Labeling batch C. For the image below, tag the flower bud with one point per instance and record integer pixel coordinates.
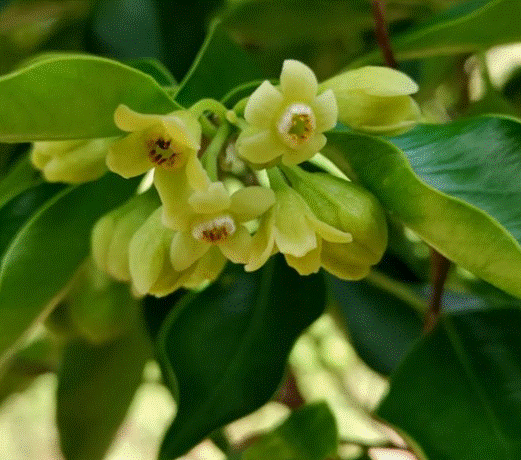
(112, 233)
(375, 100)
(74, 161)
(150, 265)
(349, 208)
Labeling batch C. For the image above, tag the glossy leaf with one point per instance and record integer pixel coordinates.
(224, 350)
(468, 27)
(309, 433)
(459, 230)
(95, 387)
(457, 392)
(17, 211)
(155, 69)
(382, 326)
(72, 97)
(292, 22)
(60, 231)
(126, 29)
(20, 177)
(219, 66)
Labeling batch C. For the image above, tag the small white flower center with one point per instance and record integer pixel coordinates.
(215, 230)
(296, 125)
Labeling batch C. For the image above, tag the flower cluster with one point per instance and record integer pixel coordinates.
(198, 214)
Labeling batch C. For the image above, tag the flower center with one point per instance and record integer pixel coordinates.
(296, 125)
(165, 152)
(215, 230)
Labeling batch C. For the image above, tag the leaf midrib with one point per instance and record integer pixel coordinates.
(460, 352)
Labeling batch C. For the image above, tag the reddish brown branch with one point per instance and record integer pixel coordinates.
(439, 270)
(288, 393)
(382, 34)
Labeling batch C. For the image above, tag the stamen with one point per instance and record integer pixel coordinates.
(215, 230)
(165, 153)
(297, 125)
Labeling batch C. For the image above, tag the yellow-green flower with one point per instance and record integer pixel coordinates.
(291, 227)
(74, 162)
(347, 207)
(216, 220)
(375, 99)
(169, 144)
(287, 122)
(112, 233)
(152, 271)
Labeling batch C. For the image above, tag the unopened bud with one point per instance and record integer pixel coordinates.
(375, 100)
(350, 208)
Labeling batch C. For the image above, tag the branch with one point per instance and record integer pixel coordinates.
(382, 34)
(439, 270)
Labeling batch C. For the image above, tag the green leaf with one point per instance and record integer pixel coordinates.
(20, 177)
(292, 22)
(309, 433)
(73, 97)
(454, 159)
(471, 236)
(382, 325)
(225, 349)
(95, 388)
(16, 212)
(457, 393)
(220, 66)
(155, 69)
(469, 27)
(48, 248)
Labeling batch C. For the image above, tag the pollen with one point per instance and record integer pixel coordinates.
(296, 125)
(164, 152)
(215, 230)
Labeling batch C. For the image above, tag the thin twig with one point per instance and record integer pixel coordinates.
(382, 34)
(439, 270)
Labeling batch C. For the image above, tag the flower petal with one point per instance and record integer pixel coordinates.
(174, 192)
(184, 129)
(307, 264)
(185, 250)
(237, 247)
(329, 233)
(207, 268)
(297, 81)
(128, 157)
(197, 176)
(148, 252)
(262, 105)
(101, 236)
(325, 109)
(373, 80)
(335, 260)
(79, 166)
(263, 244)
(260, 146)
(305, 152)
(170, 280)
(215, 199)
(128, 120)
(293, 233)
(250, 202)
